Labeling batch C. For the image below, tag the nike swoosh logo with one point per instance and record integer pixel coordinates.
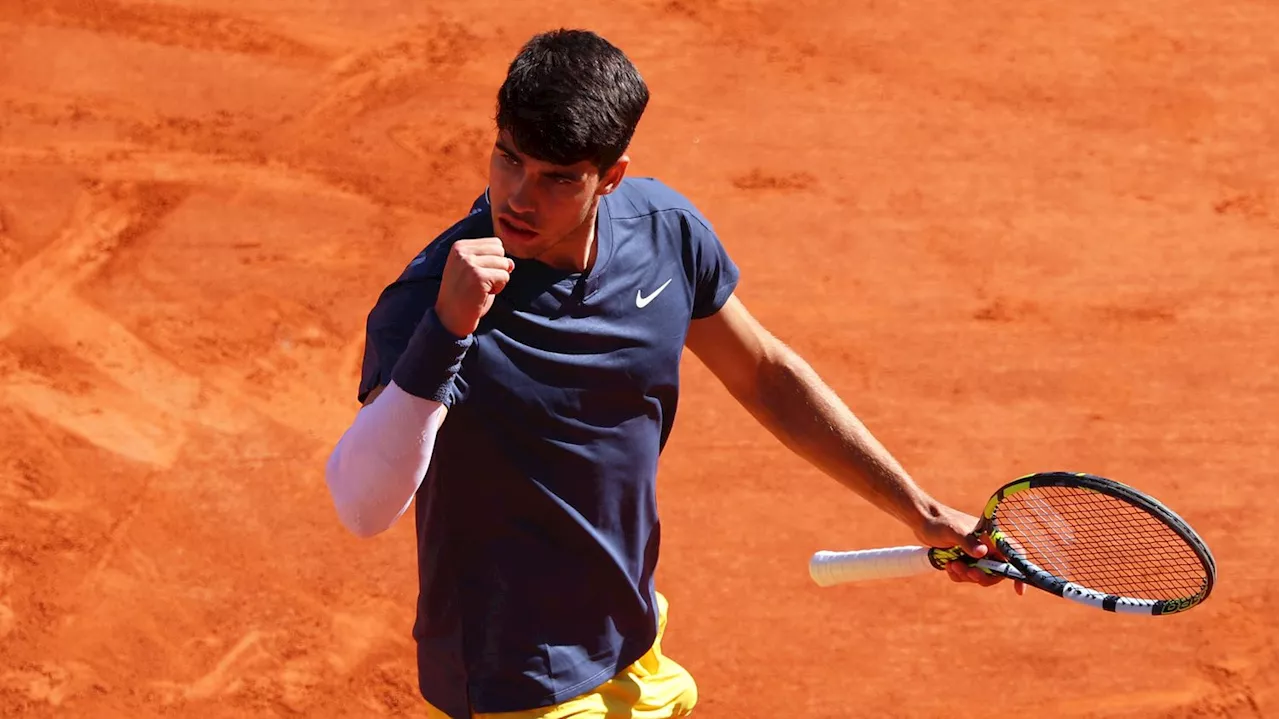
(642, 300)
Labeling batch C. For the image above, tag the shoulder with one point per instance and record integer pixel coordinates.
(675, 229)
(429, 262)
(642, 197)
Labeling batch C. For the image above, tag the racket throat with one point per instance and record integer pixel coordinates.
(940, 558)
(1002, 569)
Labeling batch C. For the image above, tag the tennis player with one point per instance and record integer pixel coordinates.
(521, 378)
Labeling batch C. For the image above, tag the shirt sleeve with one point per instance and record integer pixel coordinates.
(715, 276)
(390, 326)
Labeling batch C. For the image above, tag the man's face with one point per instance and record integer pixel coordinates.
(536, 204)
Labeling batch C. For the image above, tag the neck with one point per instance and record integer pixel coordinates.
(577, 251)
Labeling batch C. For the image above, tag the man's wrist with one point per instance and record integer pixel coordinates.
(431, 360)
(919, 510)
(447, 324)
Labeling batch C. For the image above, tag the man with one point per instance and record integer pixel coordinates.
(520, 380)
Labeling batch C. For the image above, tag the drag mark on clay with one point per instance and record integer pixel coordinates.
(226, 675)
(758, 179)
(391, 73)
(50, 682)
(173, 26)
(39, 295)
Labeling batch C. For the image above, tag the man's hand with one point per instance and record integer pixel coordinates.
(475, 271)
(951, 528)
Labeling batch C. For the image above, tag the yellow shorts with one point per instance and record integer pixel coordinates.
(655, 687)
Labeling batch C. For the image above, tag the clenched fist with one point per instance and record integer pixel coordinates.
(475, 271)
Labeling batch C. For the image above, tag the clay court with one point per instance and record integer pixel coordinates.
(1015, 237)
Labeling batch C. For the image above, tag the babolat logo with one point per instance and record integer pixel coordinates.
(1174, 606)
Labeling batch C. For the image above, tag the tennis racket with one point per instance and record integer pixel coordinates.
(1078, 536)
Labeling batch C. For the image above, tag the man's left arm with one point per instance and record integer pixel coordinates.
(789, 399)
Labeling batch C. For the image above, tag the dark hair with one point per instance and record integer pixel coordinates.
(571, 96)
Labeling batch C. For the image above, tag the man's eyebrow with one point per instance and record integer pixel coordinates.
(555, 174)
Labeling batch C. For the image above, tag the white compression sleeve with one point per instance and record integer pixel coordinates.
(380, 461)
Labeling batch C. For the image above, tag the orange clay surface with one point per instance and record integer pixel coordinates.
(1014, 236)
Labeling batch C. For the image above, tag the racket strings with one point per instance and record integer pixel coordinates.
(1100, 542)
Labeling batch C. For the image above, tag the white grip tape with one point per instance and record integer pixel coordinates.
(831, 568)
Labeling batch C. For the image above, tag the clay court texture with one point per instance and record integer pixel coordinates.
(1015, 237)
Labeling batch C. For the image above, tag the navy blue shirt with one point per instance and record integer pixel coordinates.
(537, 522)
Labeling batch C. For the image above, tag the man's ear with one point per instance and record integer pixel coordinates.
(613, 176)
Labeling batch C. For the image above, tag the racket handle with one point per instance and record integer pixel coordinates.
(831, 568)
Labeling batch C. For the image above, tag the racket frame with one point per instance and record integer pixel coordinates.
(1027, 571)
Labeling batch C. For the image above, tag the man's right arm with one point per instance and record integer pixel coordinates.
(380, 461)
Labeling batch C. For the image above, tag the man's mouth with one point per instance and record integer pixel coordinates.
(517, 230)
